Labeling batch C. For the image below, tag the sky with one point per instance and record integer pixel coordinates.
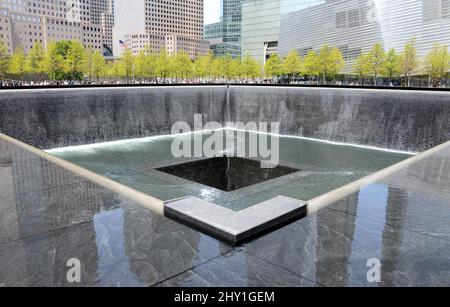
(212, 11)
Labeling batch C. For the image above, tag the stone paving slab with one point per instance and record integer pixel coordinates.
(401, 220)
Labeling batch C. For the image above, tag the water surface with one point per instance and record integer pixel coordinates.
(324, 167)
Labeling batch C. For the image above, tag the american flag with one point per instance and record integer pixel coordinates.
(123, 44)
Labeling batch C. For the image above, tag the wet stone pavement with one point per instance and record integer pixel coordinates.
(49, 215)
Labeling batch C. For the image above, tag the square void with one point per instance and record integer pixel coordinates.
(226, 173)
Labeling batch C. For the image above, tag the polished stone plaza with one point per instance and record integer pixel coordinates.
(50, 215)
(361, 197)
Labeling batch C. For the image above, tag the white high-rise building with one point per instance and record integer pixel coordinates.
(354, 26)
(159, 24)
(260, 28)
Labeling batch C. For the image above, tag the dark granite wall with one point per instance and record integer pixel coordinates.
(404, 120)
(62, 117)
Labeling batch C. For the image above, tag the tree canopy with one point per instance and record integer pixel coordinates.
(437, 63)
(69, 60)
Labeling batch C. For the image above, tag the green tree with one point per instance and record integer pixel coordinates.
(237, 70)
(437, 63)
(4, 60)
(64, 60)
(164, 67)
(227, 67)
(392, 64)
(216, 68)
(141, 65)
(311, 64)
(113, 69)
(293, 64)
(99, 66)
(36, 59)
(183, 65)
(323, 62)
(409, 60)
(147, 63)
(54, 61)
(361, 67)
(18, 64)
(127, 65)
(273, 67)
(151, 61)
(74, 59)
(376, 61)
(330, 62)
(88, 63)
(109, 71)
(203, 66)
(250, 67)
(337, 63)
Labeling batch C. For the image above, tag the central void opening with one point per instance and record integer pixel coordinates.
(227, 173)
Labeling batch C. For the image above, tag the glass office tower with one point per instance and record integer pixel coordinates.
(225, 36)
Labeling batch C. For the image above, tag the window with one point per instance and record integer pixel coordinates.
(353, 18)
(341, 20)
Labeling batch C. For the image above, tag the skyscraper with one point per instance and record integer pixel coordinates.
(153, 25)
(225, 36)
(107, 25)
(23, 23)
(260, 28)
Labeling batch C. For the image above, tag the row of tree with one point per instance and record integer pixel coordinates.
(69, 60)
(380, 63)
(328, 63)
(325, 64)
(63, 60)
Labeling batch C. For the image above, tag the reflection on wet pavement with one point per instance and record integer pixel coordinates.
(48, 216)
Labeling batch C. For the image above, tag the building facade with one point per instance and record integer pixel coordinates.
(225, 36)
(232, 24)
(150, 24)
(24, 23)
(107, 25)
(5, 29)
(260, 28)
(354, 26)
